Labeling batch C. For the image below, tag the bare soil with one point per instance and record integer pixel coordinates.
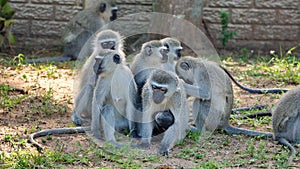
(30, 116)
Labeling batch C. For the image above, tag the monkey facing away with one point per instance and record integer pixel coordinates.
(113, 98)
(213, 113)
(84, 24)
(106, 39)
(286, 120)
(164, 91)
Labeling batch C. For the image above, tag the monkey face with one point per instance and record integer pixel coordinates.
(107, 11)
(106, 62)
(158, 93)
(108, 45)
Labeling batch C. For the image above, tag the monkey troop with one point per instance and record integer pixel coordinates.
(153, 96)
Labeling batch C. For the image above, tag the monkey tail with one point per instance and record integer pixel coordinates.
(284, 142)
(235, 130)
(49, 59)
(46, 132)
(257, 91)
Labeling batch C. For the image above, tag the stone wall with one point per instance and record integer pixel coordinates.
(260, 24)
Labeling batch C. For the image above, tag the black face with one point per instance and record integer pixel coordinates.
(178, 53)
(117, 59)
(109, 45)
(98, 69)
(113, 14)
(158, 93)
(102, 7)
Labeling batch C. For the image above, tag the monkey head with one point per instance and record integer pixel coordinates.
(107, 9)
(185, 69)
(173, 48)
(163, 85)
(156, 51)
(107, 61)
(109, 39)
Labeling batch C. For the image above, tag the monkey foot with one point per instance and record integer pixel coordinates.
(163, 152)
(76, 120)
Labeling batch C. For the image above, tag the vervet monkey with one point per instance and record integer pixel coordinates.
(106, 39)
(113, 97)
(213, 113)
(173, 51)
(114, 107)
(164, 91)
(84, 24)
(286, 120)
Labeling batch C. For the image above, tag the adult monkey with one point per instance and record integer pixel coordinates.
(84, 24)
(214, 113)
(106, 39)
(112, 108)
(286, 120)
(164, 91)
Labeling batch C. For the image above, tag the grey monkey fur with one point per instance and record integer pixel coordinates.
(112, 108)
(84, 24)
(286, 120)
(164, 91)
(213, 113)
(87, 77)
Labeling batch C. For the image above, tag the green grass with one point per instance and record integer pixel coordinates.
(203, 152)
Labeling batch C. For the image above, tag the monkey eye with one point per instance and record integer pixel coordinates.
(117, 59)
(111, 45)
(154, 87)
(185, 66)
(105, 45)
(102, 7)
(164, 90)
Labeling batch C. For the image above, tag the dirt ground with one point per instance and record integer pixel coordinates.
(50, 105)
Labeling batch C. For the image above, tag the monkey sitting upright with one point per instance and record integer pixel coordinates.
(164, 91)
(80, 28)
(286, 120)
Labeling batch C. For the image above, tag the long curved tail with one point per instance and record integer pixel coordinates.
(252, 133)
(257, 91)
(71, 130)
(284, 142)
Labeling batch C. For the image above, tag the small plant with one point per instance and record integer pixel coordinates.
(224, 16)
(6, 22)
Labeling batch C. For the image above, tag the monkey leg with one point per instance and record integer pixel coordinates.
(146, 134)
(83, 102)
(108, 122)
(95, 125)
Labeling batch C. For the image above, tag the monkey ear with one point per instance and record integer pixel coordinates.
(148, 50)
(185, 66)
(102, 7)
(117, 59)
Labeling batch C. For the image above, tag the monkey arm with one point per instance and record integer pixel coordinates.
(196, 92)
